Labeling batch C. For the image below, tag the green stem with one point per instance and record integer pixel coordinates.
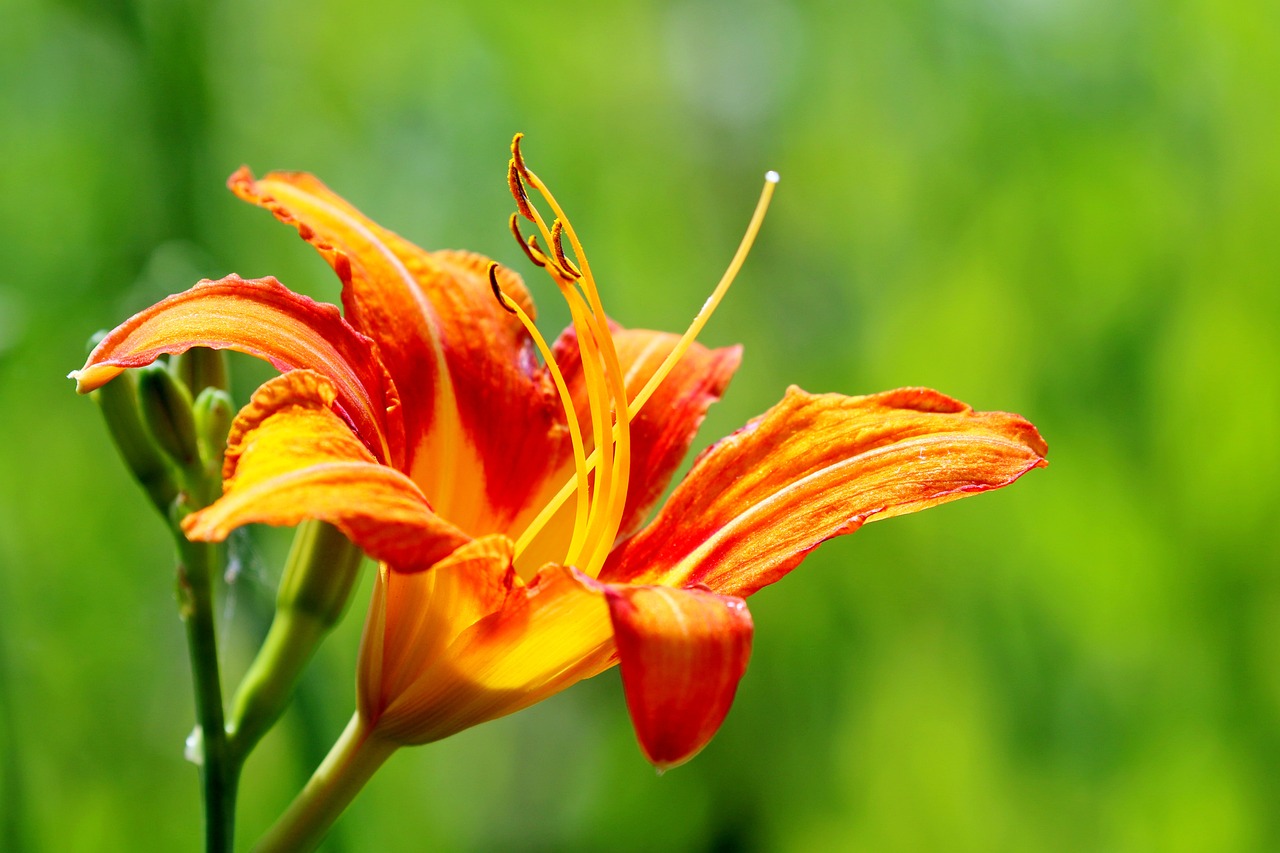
(349, 765)
(196, 569)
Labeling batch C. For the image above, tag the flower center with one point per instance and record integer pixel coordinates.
(600, 478)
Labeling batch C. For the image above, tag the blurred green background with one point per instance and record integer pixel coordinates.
(1065, 208)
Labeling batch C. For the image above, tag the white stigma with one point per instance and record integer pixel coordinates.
(772, 176)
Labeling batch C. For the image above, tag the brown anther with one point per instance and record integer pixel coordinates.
(518, 191)
(497, 291)
(515, 230)
(557, 230)
(536, 250)
(516, 156)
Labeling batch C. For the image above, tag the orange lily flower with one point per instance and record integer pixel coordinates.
(505, 496)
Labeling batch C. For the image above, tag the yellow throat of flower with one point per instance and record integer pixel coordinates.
(600, 504)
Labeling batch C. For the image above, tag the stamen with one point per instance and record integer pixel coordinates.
(517, 190)
(699, 321)
(581, 474)
(497, 291)
(534, 248)
(557, 246)
(599, 400)
(516, 156)
(601, 541)
(598, 403)
(539, 260)
(611, 457)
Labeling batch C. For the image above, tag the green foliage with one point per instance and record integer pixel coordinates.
(1064, 209)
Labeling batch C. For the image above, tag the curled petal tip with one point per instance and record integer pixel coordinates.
(682, 653)
(92, 377)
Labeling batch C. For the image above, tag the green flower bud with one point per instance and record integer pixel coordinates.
(318, 580)
(214, 414)
(320, 573)
(165, 405)
(199, 368)
(118, 402)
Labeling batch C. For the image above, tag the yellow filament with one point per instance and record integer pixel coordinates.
(616, 495)
(613, 468)
(598, 404)
(699, 321)
(598, 398)
(566, 400)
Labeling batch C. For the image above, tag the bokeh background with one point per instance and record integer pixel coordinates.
(1065, 208)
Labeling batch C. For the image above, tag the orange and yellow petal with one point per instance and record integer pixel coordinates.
(817, 466)
(682, 653)
(440, 330)
(265, 319)
(290, 457)
(414, 617)
(541, 638)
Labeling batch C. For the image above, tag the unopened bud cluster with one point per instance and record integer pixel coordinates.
(170, 421)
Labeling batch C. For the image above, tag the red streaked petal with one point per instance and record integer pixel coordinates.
(495, 369)
(682, 653)
(265, 319)
(816, 466)
(290, 458)
(439, 329)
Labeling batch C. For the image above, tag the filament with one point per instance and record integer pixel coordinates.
(682, 346)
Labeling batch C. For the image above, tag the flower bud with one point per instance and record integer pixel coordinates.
(214, 414)
(318, 580)
(201, 367)
(320, 573)
(118, 402)
(165, 405)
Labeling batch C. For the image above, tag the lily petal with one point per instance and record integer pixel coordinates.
(682, 653)
(265, 319)
(414, 617)
(542, 638)
(290, 458)
(817, 466)
(438, 327)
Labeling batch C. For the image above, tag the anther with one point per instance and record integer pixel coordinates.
(557, 246)
(535, 252)
(518, 191)
(515, 229)
(497, 291)
(516, 157)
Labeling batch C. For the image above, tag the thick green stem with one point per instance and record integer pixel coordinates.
(350, 764)
(196, 569)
